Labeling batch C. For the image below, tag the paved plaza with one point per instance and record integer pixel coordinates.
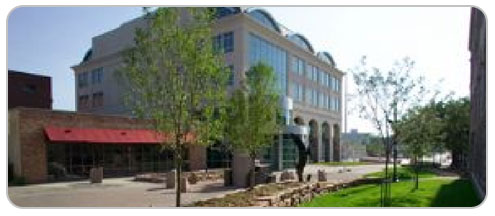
(124, 192)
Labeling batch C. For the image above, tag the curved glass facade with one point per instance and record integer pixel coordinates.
(261, 50)
(301, 42)
(264, 19)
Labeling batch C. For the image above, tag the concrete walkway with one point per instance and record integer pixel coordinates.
(115, 192)
(123, 192)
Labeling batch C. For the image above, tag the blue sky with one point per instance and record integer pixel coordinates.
(50, 40)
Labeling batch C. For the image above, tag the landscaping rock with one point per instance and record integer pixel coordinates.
(170, 179)
(322, 175)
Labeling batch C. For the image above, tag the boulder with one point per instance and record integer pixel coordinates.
(322, 175)
(170, 183)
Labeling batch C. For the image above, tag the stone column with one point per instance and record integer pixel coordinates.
(241, 165)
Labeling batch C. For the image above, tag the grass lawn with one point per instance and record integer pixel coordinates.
(431, 193)
(342, 163)
(405, 173)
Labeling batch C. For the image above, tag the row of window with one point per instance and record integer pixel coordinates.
(260, 50)
(84, 101)
(96, 77)
(315, 74)
(314, 97)
(224, 42)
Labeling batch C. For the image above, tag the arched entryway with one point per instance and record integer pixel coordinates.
(299, 120)
(325, 139)
(313, 140)
(336, 142)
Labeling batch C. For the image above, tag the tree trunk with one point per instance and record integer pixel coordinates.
(417, 173)
(456, 160)
(178, 171)
(252, 174)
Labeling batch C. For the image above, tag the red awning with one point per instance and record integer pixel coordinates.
(109, 136)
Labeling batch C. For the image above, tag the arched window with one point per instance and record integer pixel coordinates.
(264, 18)
(301, 41)
(326, 57)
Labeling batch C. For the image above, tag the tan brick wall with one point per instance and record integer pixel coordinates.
(197, 157)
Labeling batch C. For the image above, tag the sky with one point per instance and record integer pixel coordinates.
(49, 40)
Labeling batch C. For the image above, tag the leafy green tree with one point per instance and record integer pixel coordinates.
(174, 78)
(375, 147)
(420, 131)
(456, 117)
(383, 97)
(253, 115)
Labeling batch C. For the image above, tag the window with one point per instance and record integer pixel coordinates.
(315, 74)
(82, 79)
(332, 83)
(309, 96)
(98, 99)
(301, 66)
(324, 79)
(231, 74)
(315, 98)
(29, 88)
(83, 101)
(320, 100)
(97, 75)
(297, 91)
(228, 42)
(261, 50)
(224, 42)
(309, 72)
(298, 66)
(337, 85)
(301, 92)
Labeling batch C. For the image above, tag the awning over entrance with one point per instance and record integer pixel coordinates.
(109, 136)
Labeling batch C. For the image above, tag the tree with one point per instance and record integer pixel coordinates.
(383, 97)
(436, 126)
(254, 109)
(456, 114)
(174, 78)
(420, 131)
(375, 147)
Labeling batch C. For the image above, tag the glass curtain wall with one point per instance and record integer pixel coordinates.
(261, 50)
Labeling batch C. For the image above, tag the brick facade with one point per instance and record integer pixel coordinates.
(28, 142)
(477, 47)
(29, 90)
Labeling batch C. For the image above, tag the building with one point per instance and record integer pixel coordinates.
(308, 80)
(477, 135)
(47, 145)
(29, 90)
(354, 145)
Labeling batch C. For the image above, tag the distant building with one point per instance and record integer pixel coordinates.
(355, 137)
(29, 90)
(354, 145)
(477, 134)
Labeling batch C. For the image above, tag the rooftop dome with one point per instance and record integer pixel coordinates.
(301, 41)
(326, 57)
(264, 18)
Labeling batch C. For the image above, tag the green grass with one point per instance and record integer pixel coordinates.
(404, 173)
(431, 193)
(341, 163)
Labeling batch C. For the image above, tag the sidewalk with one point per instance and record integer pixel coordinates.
(114, 192)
